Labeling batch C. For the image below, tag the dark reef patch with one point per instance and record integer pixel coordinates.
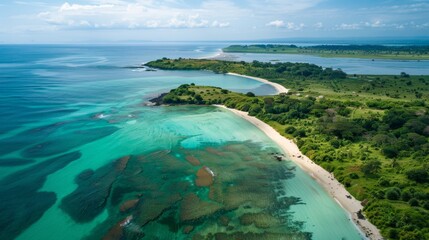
(21, 203)
(12, 162)
(67, 142)
(90, 198)
(163, 196)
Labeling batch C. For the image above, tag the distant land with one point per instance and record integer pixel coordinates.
(414, 52)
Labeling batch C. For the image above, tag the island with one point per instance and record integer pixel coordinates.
(369, 132)
(343, 51)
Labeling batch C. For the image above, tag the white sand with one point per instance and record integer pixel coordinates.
(323, 177)
(279, 88)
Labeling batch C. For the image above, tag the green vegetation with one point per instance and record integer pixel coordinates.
(371, 131)
(350, 51)
(257, 69)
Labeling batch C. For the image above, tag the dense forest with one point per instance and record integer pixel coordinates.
(354, 51)
(256, 68)
(371, 132)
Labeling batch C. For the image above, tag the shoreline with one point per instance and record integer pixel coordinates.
(279, 88)
(335, 189)
(214, 55)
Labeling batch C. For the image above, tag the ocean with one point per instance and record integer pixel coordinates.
(84, 156)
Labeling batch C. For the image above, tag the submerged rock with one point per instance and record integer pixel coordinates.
(188, 229)
(259, 236)
(124, 229)
(117, 231)
(193, 208)
(260, 220)
(154, 206)
(130, 204)
(193, 160)
(205, 177)
(214, 151)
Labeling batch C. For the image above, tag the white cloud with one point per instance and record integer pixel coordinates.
(131, 15)
(288, 25)
(220, 24)
(423, 25)
(346, 26)
(67, 7)
(379, 24)
(375, 24)
(187, 22)
(294, 26)
(276, 23)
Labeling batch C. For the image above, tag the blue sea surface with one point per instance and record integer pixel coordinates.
(83, 156)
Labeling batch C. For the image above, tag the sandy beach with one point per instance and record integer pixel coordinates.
(323, 177)
(279, 88)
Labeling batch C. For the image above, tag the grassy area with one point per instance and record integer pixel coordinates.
(342, 51)
(370, 131)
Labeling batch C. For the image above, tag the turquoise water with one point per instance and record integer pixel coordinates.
(84, 157)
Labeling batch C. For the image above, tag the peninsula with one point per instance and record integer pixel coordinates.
(369, 132)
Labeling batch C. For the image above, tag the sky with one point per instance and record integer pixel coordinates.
(101, 21)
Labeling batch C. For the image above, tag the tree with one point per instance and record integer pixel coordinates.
(390, 152)
(393, 193)
(405, 75)
(418, 175)
(371, 167)
(254, 109)
(250, 94)
(198, 98)
(341, 127)
(290, 130)
(413, 202)
(406, 195)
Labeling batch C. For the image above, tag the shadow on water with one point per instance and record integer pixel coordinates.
(22, 204)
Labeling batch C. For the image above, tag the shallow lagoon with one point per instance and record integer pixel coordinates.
(348, 65)
(81, 153)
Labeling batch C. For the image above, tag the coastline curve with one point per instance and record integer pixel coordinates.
(326, 179)
(279, 88)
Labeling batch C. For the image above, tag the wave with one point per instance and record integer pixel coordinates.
(74, 61)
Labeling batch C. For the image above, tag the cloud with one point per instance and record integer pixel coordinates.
(346, 26)
(105, 14)
(375, 24)
(288, 25)
(361, 25)
(220, 24)
(276, 23)
(380, 24)
(293, 26)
